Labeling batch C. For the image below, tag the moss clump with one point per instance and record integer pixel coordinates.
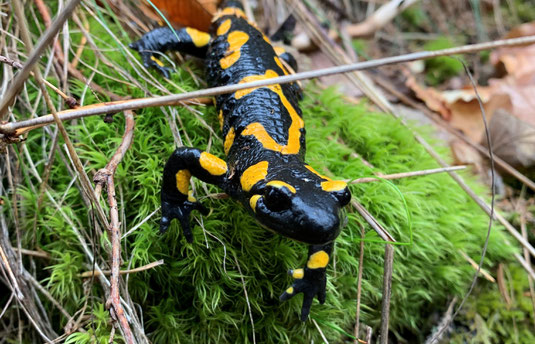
(197, 296)
(442, 68)
(490, 317)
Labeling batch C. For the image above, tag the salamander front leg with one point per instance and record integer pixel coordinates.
(311, 280)
(177, 199)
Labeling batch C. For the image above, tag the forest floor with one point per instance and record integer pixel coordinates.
(81, 257)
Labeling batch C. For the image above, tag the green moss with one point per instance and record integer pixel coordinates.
(440, 69)
(415, 16)
(490, 319)
(197, 296)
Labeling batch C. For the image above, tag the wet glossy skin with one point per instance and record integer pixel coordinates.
(264, 143)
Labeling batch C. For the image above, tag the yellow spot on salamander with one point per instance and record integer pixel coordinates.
(229, 140)
(258, 130)
(279, 50)
(270, 73)
(220, 118)
(253, 200)
(290, 290)
(280, 184)
(333, 185)
(229, 11)
(160, 63)
(191, 198)
(253, 175)
(316, 172)
(182, 181)
(224, 27)
(213, 164)
(236, 40)
(298, 273)
(199, 38)
(318, 260)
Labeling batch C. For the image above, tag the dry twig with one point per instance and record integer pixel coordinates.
(246, 298)
(380, 230)
(92, 273)
(34, 56)
(359, 285)
(405, 174)
(482, 271)
(105, 176)
(379, 18)
(443, 325)
(387, 290)
(115, 107)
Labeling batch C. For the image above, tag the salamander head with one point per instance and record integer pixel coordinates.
(301, 205)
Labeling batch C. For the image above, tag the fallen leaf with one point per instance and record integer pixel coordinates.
(464, 154)
(514, 94)
(432, 98)
(517, 61)
(466, 111)
(186, 13)
(512, 139)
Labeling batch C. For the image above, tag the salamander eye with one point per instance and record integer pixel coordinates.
(339, 189)
(277, 198)
(343, 196)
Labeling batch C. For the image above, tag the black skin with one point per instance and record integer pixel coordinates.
(307, 213)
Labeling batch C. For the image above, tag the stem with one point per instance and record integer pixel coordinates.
(114, 107)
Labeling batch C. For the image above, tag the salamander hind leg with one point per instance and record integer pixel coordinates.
(177, 200)
(186, 40)
(311, 280)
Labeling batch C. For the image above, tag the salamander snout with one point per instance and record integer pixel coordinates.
(305, 212)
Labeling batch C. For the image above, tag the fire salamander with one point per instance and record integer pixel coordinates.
(264, 143)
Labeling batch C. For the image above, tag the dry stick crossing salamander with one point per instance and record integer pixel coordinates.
(264, 143)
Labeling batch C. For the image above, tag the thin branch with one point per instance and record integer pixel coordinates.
(149, 266)
(130, 231)
(18, 285)
(492, 199)
(34, 56)
(525, 264)
(475, 266)
(105, 176)
(524, 231)
(320, 331)
(11, 62)
(380, 230)
(359, 285)
(84, 179)
(19, 128)
(45, 292)
(40, 254)
(387, 290)
(443, 325)
(246, 298)
(115, 107)
(405, 174)
(379, 18)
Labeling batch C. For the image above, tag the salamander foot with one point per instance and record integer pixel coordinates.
(180, 211)
(310, 283)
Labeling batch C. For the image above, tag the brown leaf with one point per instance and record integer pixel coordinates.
(512, 139)
(466, 112)
(464, 154)
(190, 13)
(513, 93)
(432, 98)
(517, 61)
